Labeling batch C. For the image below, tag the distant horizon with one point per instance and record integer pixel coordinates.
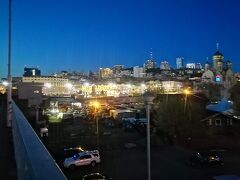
(140, 65)
(86, 35)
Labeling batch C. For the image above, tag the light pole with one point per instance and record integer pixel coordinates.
(96, 106)
(148, 98)
(186, 92)
(9, 87)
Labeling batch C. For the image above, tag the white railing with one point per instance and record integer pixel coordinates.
(32, 158)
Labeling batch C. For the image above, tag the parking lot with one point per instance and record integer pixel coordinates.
(119, 162)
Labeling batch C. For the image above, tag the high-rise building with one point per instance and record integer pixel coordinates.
(190, 66)
(29, 72)
(198, 66)
(138, 72)
(150, 62)
(164, 65)
(179, 62)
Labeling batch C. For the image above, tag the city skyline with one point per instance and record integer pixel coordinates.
(85, 36)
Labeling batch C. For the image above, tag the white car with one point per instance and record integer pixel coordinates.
(44, 132)
(82, 159)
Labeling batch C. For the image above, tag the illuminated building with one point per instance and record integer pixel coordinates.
(117, 90)
(190, 66)
(105, 73)
(208, 75)
(138, 72)
(150, 63)
(117, 69)
(127, 72)
(198, 66)
(179, 62)
(164, 65)
(219, 73)
(52, 85)
(218, 60)
(31, 72)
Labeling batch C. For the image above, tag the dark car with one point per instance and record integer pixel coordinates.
(95, 176)
(202, 159)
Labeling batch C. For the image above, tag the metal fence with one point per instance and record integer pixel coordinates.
(32, 158)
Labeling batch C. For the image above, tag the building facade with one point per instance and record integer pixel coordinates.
(31, 72)
(179, 62)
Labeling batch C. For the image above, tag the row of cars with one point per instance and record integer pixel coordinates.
(206, 158)
(211, 159)
(75, 157)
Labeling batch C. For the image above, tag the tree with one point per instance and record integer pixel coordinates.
(235, 97)
(178, 115)
(212, 91)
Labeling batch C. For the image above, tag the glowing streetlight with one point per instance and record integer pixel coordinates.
(69, 85)
(143, 88)
(48, 85)
(86, 84)
(96, 104)
(187, 91)
(5, 83)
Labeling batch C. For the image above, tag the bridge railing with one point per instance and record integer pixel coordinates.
(32, 158)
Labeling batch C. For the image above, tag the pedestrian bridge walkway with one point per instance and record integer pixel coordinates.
(23, 156)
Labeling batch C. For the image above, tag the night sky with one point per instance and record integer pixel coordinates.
(84, 35)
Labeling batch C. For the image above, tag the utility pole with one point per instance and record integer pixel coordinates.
(9, 87)
(148, 98)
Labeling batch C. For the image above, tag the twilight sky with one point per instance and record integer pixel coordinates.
(84, 35)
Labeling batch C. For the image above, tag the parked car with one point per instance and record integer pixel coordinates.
(70, 152)
(44, 132)
(208, 158)
(95, 176)
(82, 159)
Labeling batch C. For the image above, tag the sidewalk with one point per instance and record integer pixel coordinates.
(7, 159)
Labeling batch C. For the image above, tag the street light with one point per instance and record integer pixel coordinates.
(48, 85)
(9, 77)
(96, 106)
(148, 98)
(69, 86)
(186, 92)
(5, 83)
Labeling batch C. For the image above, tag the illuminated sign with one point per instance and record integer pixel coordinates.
(218, 78)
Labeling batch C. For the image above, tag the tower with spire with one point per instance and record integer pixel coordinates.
(218, 59)
(150, 62)
(220, 72)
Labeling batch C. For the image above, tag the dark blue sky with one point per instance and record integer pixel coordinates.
(88, 34)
